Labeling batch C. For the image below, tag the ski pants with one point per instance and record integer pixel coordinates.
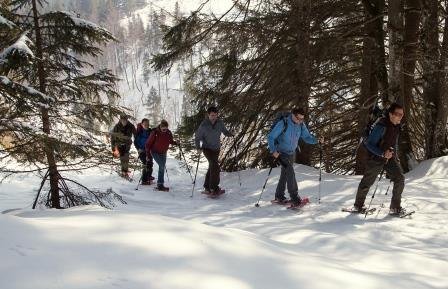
(287, 178)
(373, 168)
(212, 179)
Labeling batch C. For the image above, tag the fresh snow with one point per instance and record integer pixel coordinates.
(4, 21)
(169, 240)
(20, 46)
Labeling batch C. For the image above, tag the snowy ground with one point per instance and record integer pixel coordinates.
(169, 240)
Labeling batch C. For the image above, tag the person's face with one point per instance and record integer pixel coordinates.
(145, 124)
(396, 116)
(298, 118)
(123, 121)
(164, 128)
(213, 116)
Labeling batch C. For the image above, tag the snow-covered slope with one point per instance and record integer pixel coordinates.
(169, 240)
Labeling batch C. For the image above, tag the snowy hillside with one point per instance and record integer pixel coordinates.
(169, 240)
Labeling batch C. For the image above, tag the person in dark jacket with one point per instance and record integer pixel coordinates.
(121, 139)
(157, 145)
(382, 144)
(142, 135)
(282, 145)
(208, 139)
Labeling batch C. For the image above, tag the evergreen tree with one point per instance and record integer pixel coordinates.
(62, 102)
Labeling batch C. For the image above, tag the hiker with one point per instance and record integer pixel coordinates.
(382, 144)
(142, 135)
(157, 146)
(207, 139)
(121, 139)
(283, 141)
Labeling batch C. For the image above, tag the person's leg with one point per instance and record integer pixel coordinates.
(291, 181)
(373, 168)
(214, 171)
(124, 158)
(142, 158)
(281, 185)
(208, 155)
(395, 173)
(160, 160)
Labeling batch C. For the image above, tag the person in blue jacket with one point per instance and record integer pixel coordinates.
(282, 145)
(382, 144)
(143, 132)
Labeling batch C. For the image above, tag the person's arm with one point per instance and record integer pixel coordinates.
(113, 137)
(149, 143)
(199, 136)
(306, 136)
(374, 139)
(273, 135)
(225, 131)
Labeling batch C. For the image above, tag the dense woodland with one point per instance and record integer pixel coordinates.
(340, 60)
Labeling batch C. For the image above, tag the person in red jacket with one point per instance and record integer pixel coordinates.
(156, 146)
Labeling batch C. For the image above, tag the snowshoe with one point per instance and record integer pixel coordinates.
(216, 193)
(162, 188)
(400, 212)
(282, 202)
(297, 206)
(355, 210)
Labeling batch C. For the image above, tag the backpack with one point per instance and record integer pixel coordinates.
(281, 116)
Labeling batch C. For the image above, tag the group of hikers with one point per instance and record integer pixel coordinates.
(152, 144)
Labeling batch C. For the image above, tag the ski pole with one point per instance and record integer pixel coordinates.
(185, 160)
(320, 171)
(374, 192)
(195, 175)
(264, 186)
(239, 175)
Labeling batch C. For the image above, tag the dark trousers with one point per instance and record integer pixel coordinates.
(124, 157)
(212, 177)
(373, 168)
(287, 178)
(147, 166)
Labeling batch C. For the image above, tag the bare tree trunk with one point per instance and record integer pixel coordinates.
(301, 22)
(54, 174)
(410, 44)
(430, 43)
(440, 137)
(370, 79)
(395, 27)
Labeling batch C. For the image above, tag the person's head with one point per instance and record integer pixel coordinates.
(123, 119)
(145, 123)
(298, 114)
(163, 125)
(396, 113)
(212, 112)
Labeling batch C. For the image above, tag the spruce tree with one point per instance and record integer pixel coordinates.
(62, 127)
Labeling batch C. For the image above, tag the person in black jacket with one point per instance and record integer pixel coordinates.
(121, 139)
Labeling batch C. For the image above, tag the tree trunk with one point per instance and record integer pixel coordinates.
(410, 44)
(302, 10)
(54, 175)
(370, 79)
(395, 27)
(440, 137)
(430, 43)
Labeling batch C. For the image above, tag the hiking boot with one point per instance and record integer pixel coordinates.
(359, 209)
(206, 191)
(299, 203)
(161, 187)
(217, 191)
(397, 211)
(151, 178)
(147, 183)
(282, 201)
